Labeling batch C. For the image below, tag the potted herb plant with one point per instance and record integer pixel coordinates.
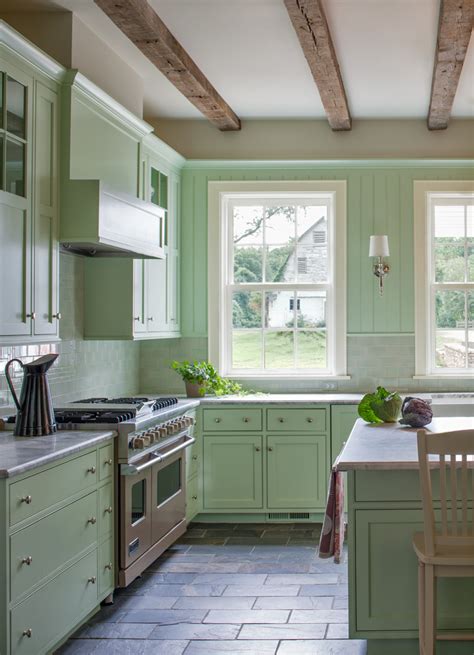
(201, 378)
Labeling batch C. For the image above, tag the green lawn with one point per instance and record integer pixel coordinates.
(279, 349)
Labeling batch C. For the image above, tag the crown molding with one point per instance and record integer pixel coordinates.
(166, 152)
(227, 164)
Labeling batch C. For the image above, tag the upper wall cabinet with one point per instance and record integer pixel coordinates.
(139, 299)
(29, 138)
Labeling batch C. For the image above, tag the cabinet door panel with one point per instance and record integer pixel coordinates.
(139, 318)
(297, 471)
(15, 289)
(45, 300)
(156, 295)
(233, 472)
(386, 576)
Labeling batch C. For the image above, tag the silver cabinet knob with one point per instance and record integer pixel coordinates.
(195, 457)
(150, 318)
(92, 469)
(58, 316)
(32, 316)
(109, 566)
(92, 579)
(26, 499)
(281, 420)
(136, 318)
(310, 420)
(27, 633)
(109, 509)
(257, 448)
(246, 419)
(109, 462)
(270, 449)
(217, 420)
(92, 520)
(27, 560)
(195, 497)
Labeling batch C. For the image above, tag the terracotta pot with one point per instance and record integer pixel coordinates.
(193, 389)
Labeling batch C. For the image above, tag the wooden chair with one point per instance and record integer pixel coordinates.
(446, 547)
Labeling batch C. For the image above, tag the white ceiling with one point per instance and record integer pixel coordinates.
(249, 51)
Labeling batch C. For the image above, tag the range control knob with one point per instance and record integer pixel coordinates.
(163, 432)
(137, 442)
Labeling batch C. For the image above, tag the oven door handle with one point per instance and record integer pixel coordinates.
(133, 470)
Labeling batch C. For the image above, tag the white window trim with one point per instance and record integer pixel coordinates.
(217, 238)
(423, 261)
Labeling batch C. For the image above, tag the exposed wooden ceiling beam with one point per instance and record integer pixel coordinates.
(142, 25)
(454, 31)
(313, 33)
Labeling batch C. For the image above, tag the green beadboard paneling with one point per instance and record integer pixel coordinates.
(379, 200)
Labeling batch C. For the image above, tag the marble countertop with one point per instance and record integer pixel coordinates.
(286, 398)
(21, 454)
(391, 446)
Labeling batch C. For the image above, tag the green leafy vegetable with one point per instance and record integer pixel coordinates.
(380, 407)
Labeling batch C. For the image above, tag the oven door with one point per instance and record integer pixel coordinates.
(135, 516)
(168, 495)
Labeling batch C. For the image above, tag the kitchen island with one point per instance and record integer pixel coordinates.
(384, 510)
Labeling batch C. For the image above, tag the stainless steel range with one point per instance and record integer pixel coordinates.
(153, 435)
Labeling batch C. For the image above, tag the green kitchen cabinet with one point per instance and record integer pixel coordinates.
(343, 418)
(296, 471)
(57, 559)
(233, 471)
(29, 148)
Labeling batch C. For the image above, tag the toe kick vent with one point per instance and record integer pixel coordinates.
(288, 516)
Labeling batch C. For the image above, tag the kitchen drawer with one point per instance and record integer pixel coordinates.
(106, 567)
(106, 510)
(106, 461)
(192, 498)
(296, 420)
(55, 609)
(43, 490)
(232, 420)
(51, 542)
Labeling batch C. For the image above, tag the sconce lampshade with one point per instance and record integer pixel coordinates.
(378, 246)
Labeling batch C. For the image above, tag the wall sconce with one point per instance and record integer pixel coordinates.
(378, 247)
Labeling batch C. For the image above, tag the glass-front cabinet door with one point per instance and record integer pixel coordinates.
(15, 201)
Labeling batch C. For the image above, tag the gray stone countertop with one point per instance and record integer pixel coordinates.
(391, 446)
(21, 454)
(286, 399)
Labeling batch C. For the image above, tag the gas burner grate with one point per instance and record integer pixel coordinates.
(161, 403)
(67, 416)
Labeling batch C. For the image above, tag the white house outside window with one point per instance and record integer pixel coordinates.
(444, 258)
(277, 278)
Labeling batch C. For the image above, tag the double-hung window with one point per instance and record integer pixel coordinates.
(277, 278)
(444, 271)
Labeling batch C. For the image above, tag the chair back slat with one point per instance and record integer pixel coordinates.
(452, 454)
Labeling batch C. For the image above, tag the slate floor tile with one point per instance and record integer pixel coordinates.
(125, 647)
(323, 647)
(195, 631)
(303, 579)
(294, 603)
(164, 617)
(216, 603)
(268, 647)
(247, 616)
(230, 579)
(187, 590)
(214, 541)
(285, 631)
(148, 602)
(323, 590)
(263, 590)
(270, 566)
(341, 603)
(337, 631)
(318, 616)
(118, 631)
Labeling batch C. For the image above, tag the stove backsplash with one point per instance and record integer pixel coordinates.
(84, 368)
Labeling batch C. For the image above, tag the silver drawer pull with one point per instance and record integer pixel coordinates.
(109, 566)
(270, 449)
(246, 419)
(310, 420)
(195, 497)
(281, 420)
(58, 316)
(27, 560)
(109, 462)
(92, 579)
(26, 499)
(27, 633)
(150, 318)
(109, 509)
(32, 316)
(257, 449)
(217, 420)
(195, 457)
(92, 520)
(92, 469)
(136, 318)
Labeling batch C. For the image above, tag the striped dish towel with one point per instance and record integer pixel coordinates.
(332, 534)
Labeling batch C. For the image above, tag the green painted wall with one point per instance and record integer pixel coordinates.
(380, 201)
